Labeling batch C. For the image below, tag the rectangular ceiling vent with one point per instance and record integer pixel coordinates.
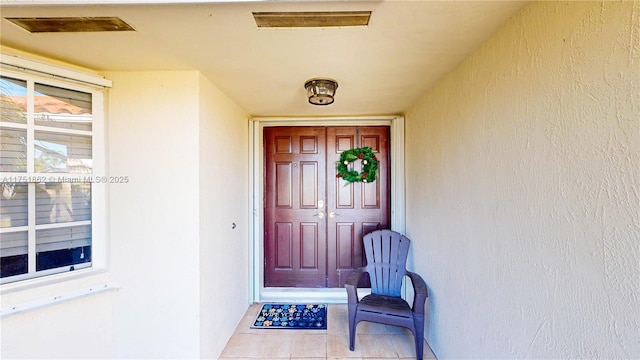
(71, 24)
(311, 19)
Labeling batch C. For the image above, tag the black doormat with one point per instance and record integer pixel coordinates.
(292, 316)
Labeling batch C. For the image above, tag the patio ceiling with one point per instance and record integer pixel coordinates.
(381, 68)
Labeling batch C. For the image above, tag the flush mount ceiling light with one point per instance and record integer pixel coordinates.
(321, 91)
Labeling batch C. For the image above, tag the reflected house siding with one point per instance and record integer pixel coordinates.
(59, 201)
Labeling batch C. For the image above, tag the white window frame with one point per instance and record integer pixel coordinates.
(42, 73)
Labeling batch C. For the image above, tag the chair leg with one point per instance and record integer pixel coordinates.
(352, 326)
(418, 323)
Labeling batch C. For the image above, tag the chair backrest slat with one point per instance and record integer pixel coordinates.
(386, 253)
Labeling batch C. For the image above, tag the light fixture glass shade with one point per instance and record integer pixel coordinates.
(321, 91)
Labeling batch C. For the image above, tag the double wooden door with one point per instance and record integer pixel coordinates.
(313, 220)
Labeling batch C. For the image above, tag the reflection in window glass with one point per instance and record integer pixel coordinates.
(62, 108)
(46, 155)
(62, 202)
(63, 247)
(13, 100)
(62, 153)
(13, 150)
(14, 253)
(13, 205)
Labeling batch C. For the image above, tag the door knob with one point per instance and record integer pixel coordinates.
(333, 214)
(320, 215)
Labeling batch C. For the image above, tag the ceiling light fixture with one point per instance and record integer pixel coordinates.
(321, 91)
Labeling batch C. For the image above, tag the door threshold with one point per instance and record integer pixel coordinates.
(307, 295)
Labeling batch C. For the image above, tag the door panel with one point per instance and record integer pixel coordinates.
(284, 245)
(309, 249)
(284, 183)
(309, 184)
(313, 222)
(295, 237)
(359, 207)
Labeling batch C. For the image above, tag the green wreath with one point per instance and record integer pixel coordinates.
(369, 165)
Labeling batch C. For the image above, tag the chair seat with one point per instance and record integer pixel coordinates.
(384, 304)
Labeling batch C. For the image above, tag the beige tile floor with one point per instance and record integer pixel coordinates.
(373, 341)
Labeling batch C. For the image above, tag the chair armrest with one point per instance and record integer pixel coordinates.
(351, 284)
(420, 290)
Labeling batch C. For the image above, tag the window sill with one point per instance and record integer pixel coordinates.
(39, 293)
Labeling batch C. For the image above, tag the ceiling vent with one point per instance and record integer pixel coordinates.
(311, 19)
(71, 24)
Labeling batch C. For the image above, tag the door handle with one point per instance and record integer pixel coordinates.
(333, 214)
(320, 215)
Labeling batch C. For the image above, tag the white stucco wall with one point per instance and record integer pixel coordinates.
(154, 219)
(75, 329)
(224, 262)
(523, 189)
(175, 254)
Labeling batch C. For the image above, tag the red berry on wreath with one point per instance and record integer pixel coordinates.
(360, 156)
(364, 175)
(337, 175)
(374, 159)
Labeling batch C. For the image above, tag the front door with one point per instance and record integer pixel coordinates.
(314, 221)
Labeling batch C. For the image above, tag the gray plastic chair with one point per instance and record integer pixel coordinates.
(386, 253)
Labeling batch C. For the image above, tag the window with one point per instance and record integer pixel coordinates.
(49, 144)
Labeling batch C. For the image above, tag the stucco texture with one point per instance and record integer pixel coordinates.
(175, 256)
(522, 189)
(224, 179)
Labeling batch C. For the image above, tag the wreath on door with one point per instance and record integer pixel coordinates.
(369, 165)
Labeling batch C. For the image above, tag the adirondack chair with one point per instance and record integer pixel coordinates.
(386, 253)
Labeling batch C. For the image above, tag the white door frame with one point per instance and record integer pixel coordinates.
(257, 292)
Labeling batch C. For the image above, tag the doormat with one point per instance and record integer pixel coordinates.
(294, 317)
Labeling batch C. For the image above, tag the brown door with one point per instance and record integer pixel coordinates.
(314, 221)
